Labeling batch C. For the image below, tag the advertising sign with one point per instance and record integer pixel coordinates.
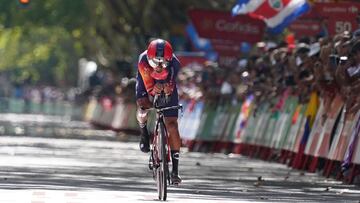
(303, 27)
(222, 25)
(335, 17)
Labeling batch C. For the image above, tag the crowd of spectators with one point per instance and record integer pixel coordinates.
(326, 65)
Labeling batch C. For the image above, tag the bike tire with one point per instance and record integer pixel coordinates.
(162, 171)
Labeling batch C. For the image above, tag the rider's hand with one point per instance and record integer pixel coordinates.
(169, 88)
(157, 89)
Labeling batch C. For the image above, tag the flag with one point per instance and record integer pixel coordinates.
(277, 14)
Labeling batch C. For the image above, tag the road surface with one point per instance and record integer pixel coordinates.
(51, 170)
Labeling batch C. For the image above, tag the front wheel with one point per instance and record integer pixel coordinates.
(162, 170)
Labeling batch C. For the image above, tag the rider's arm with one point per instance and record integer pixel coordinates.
(173, 71)
(145, 75)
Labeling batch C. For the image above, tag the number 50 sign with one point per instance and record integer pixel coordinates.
(340, 24)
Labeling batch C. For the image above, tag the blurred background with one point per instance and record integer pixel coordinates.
(60, 44)
(56, 56)
(69, 50)
(79, 58)
(282, 89)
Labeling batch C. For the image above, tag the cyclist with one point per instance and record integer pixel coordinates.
(157, 72)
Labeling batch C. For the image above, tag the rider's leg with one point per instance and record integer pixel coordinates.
(143, 103)
(175, 144)
(142, 111)
(171, 117)
(141, 116)
(174, 135)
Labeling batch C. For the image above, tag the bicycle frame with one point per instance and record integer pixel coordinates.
(158, 162)
(159, 121)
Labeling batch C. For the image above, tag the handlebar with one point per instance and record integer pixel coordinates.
(161, 110)
(161, 100)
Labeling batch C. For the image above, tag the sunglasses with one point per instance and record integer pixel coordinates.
(159, 61)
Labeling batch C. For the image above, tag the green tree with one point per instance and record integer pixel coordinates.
(45, 39)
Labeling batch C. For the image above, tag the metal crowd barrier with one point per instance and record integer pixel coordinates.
(313, 136)
(55, 108)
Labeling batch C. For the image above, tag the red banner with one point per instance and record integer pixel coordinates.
(221, 25)
(341, 16)
(336, 17)
(305, 27)
(334, 9)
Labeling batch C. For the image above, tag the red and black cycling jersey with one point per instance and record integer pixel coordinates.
(147, 72)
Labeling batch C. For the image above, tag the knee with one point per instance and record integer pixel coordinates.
(144, 103)
(142, 115)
